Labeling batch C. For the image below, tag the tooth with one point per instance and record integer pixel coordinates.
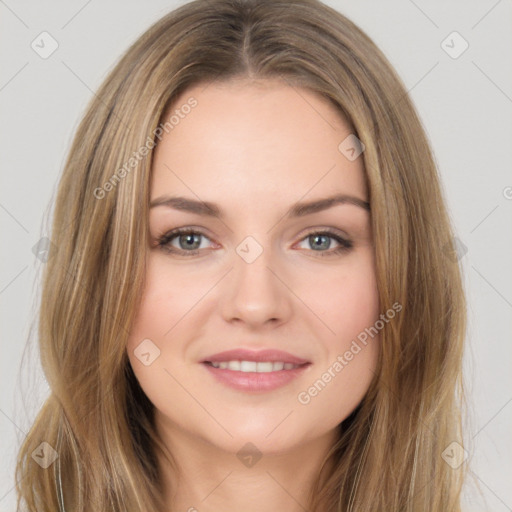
(264, 367)
(248, 366)
(253, 366)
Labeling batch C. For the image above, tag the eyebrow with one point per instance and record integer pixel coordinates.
(297, 210)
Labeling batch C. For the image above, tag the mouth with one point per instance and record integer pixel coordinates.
(255, 376)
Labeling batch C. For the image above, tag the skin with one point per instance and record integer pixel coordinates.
(254, 148)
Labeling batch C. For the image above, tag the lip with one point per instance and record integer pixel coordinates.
(254, 381)
(271, 355)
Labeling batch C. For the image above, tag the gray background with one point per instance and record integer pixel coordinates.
(465, 104)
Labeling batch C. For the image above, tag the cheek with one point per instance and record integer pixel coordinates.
(346, 300)
(158, 312)
(166, 318)
(153, 318)
(164, 302)
(348, 303)
(166, 298)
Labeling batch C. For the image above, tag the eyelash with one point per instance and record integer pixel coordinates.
(164, 241)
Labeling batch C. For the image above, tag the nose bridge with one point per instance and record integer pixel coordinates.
(256, 295)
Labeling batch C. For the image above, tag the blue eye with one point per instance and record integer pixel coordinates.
(189, 241)
(320, 241)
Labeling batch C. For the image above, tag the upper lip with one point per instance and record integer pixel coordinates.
(270, 355)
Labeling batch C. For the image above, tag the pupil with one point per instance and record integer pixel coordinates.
(188, 240)
(324, 244)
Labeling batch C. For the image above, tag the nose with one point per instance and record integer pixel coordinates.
(256, 293)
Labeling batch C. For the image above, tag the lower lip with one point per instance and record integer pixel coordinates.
(254, 381)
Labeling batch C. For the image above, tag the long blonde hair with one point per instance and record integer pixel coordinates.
(389, 453)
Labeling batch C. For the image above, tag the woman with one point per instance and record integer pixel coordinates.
(250, 303)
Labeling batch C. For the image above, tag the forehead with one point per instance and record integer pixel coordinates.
(253, 139)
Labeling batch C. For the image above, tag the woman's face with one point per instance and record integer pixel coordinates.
(261, 274)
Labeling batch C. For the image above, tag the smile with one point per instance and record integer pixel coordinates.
(254, 377)
(253, 366)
